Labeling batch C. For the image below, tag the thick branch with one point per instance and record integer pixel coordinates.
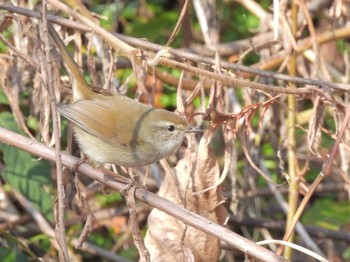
(184, 215)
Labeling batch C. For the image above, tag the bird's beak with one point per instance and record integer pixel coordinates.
(194, 130)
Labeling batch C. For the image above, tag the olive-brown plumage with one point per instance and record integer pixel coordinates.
(116, 129)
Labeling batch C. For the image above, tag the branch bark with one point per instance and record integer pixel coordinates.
(236, 241)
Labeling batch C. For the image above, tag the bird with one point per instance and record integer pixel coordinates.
(114, 128)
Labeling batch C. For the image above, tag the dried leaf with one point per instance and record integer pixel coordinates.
(136, 233)
(141, 76)
(89, 224)
(12, 94)
(314, 132)
(168, 239)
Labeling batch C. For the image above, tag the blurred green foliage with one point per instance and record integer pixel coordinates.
(23, 172)
(32, 178)
(10, 252)
(3, 98)
(322, 213)
(7, 34)
(104, 200)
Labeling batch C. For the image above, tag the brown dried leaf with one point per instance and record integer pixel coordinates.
(314, 132)
(179, 99)
(246, 151)
(344, 146)
(136, 233)
(168, 239)
(91, 65)
(141, 76)
(89, 224)
(11, 76)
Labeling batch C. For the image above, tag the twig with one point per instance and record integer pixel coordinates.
(310, 243)
(130, 52)
(306, 43)
(45, 227)
(293, 175)
(21, 55)
(136, 233)
(60, 228)
(90, 217)
(238, 242)
(261, 192)
(326, 171)
(96, 250)
(280, 227)
(41, 222)
(294, 246)
(120, 47)
(178, 23)
(23, 246)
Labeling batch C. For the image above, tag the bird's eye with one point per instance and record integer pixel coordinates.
(171, 128)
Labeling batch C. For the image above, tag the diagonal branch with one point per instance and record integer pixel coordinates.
(119, 43)
(236, 241)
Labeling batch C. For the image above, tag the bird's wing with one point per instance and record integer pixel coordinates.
(94, 117)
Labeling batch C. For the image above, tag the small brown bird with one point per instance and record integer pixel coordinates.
(116, 129)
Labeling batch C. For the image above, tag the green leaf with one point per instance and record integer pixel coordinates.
(108, 11)
(105, 200)
(25, 173)
(346, 254)
(168, 100)
(3, 98)
(156, 29)
(13, 249)
(328, 213)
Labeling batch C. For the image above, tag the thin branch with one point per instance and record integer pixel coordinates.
(8, 236)
(130, 52)
(326, 171)
(305, 44)
(238, 242)
(45, 228)
(279, 226)
(135, 229)
(60, 228)
(293, 164)
(39, 219)
(21, 55)
(120, 47)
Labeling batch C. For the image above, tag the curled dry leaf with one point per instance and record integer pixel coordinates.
(344, 146)
(90, 221)
(9, 81)
(314, 133)
(168, 239)
(141, 77)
